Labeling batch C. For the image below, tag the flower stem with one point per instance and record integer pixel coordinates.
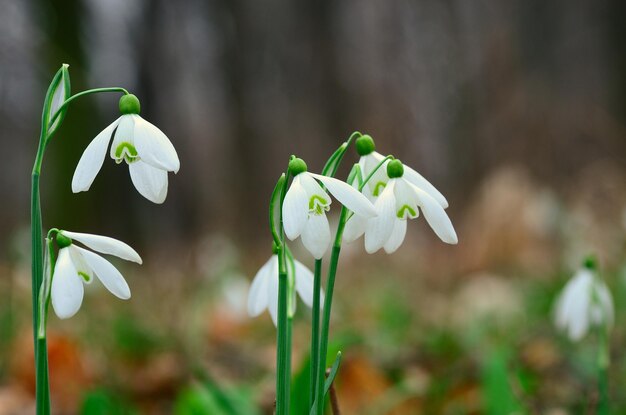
(603, 371)
(42, 389)
(328, 300)
(81, 94)
(283, 346)
(315, 328)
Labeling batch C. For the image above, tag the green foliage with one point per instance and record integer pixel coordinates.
(497, 394)
(103, 402)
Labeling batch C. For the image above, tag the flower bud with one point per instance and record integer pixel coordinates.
(591, 263)
(365, 145)
(297, 166)
(129, 104)
(395, 169)
(63, 241)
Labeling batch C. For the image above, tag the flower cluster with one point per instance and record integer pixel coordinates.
(382, 197)
(150, 156)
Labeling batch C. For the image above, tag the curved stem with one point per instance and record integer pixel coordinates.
(82, 94)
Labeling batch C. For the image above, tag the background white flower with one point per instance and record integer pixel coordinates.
(584, 302)
(263, 292)
(306, 203)
(148, 152)
(76, 266)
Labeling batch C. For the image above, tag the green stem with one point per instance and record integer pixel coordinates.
(283, 349)
(328, 300)
(603, 371)
(315, 327)
(82, 94)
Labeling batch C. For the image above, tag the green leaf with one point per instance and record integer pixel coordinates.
(333, 372)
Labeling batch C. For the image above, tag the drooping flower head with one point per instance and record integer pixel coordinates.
(76, 266)
(398, 193)
(306, 204)
(263, 292)
(584, 302)
(148, 152)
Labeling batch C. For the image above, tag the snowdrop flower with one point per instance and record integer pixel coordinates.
(306, 203)
(263, 292)
(401, 200)
(370, 159)
(412, 183)
(147, 151)
(584, 302)
(76, 266)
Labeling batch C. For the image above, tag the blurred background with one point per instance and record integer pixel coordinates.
(515, 110)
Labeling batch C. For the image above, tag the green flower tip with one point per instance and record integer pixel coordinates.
(365, 145)
(63, 241)
(297, 166)
(591, 263)
(395, 169)
(129, 104)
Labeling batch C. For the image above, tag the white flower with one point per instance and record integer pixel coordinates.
(584, 302)
(400, 200)
(148, 152)
(76, 266)
(306, 203)
(263, 292)
(414, 190)
(379, 180)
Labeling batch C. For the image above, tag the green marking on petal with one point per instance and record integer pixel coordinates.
(125, 151)
(84, 276)
(378, 188)
(317, 204)
(402, 212)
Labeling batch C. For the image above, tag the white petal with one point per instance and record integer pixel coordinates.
(91, 161)
(436, 217)
(355, 227)
(105, 245)
(380, 179)
(397, 236)
(316, 235)
(419, 181)
(606, 303)
(154, 147)
(406, 200)
(107, 274)
(258, 294)
(123, 134)
(83, 269)
(149, 181)
(312, 187)
(67, 287)
(304, 284)
(272, 292)
(378, 229)
(572, 312)
(295, 209)
(348, 196)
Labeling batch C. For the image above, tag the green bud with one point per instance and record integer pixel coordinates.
(297, 166)
(129, 104)
(365, 145)
(591, 263)
(63, 241)
(395, 169)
